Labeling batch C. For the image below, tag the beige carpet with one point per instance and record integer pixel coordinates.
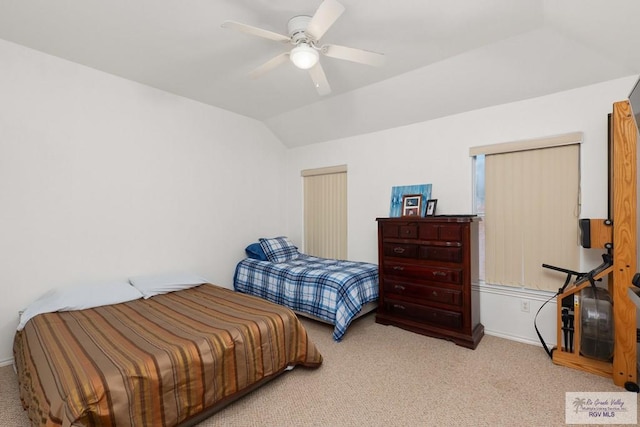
(382, 375)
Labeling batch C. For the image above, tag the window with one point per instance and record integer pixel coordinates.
(528, 195)
(325, 212)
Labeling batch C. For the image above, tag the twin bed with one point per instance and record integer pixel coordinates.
(329, 290)
(173, 350)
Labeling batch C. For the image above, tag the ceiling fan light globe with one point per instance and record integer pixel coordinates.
(304, 56)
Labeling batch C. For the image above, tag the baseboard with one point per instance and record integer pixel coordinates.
(6, 362)
(524, 340)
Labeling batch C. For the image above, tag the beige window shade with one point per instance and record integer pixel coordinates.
(531, 215)
(325, 212)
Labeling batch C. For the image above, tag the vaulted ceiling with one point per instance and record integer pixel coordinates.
(442, 57)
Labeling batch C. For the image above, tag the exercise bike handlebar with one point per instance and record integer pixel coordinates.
(563, 270)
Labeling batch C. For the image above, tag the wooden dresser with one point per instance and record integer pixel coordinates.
(426, 268)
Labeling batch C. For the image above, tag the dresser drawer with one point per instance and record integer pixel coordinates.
(451, 233)
(432, 253)
(401, 250)
(443, 232)
(449, 319)
(428, 293)
(435, 253)
(400, 231)
(431, 273)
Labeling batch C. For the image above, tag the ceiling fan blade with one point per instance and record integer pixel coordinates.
(269, 65)
(255, 31)
(328, 12)
(355, 55)
(320, 79)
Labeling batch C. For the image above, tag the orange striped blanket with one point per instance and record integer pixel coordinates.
(154, 362)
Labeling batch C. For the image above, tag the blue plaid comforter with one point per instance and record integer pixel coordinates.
(332, 290)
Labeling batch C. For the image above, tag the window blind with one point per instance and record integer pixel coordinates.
(531, 210)
(325, 212)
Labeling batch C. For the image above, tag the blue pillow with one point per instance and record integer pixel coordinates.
(279, 249)
(255, 251)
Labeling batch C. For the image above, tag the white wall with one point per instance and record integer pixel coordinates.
(437, 152)
(102, 178)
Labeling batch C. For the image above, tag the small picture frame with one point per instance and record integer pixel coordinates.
(431, 207)
(411, 204)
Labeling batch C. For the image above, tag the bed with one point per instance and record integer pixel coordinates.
(329, 290)
(163, 360)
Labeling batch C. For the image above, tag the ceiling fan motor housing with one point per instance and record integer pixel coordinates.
(297, 27)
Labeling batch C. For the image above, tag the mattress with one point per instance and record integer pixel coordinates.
(161, 361)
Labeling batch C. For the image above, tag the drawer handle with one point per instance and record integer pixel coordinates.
(439, 273)
(399, 288)
(401, 307)
(434, 293)
(398, 268)
(398, 250)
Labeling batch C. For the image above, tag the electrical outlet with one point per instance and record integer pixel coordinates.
(524, 305)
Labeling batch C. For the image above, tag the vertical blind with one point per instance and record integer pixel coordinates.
(325, 212)
(531, 211)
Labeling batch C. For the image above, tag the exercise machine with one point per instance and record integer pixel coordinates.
(618, 236)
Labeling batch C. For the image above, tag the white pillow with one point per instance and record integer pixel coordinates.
(79, 297)
(163, 283)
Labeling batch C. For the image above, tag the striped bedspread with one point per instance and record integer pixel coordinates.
(329, 289)
(154, 362)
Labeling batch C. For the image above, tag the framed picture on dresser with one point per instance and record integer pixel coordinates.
(431, 207)
(411, 204)
(396, 208)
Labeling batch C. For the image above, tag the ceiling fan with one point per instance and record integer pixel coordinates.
(304, 35)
